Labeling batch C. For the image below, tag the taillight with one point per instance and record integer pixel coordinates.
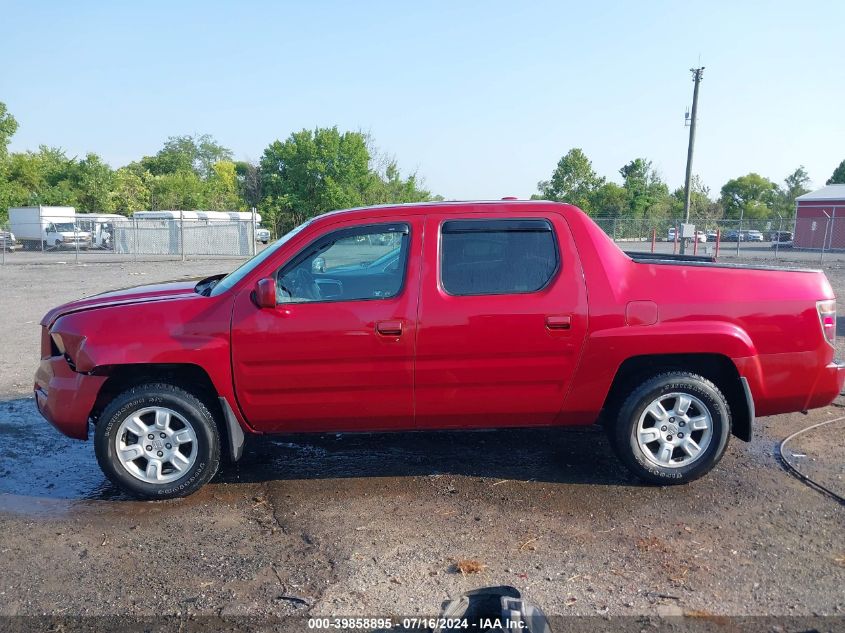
(827, 317)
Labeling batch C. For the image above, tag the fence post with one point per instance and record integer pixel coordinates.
(254, 247)
(739, 232)
(653, 238)
(675, 244)
(182, 233)
(718, 239)
(76, 241)
(135, 236)
(777, 243)
(4, 247)
(614, 229)
(824, 237)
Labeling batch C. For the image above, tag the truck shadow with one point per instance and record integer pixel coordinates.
(37, 462)
(555, 455)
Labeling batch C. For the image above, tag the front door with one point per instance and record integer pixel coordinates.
(503, 317)
(336, 354)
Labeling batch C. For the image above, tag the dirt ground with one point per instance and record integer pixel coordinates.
(374, 525)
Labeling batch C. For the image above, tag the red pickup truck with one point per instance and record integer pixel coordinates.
(438, 316)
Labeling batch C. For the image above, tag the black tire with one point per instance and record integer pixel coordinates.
(623, 432)
(184, 404)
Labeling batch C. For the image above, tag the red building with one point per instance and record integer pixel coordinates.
(820, 218)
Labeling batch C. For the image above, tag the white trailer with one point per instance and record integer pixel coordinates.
(101, 227)
(47, 228)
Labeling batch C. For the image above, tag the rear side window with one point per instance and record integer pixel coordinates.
(494, 257)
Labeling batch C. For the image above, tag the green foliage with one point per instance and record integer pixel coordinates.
(129, 191)
(8, 127)
(701, 206)
(94, 182)
(177, 190)
(838, 177)
(648, 195)
(391, 187)
(320, 170)
(794, 185)
(187, 153)
(316, 171)
(751, 196)
(609, 201)
(573, 181)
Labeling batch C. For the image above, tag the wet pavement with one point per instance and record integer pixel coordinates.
(374, 524)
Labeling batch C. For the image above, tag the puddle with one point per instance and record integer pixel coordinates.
(43, 471)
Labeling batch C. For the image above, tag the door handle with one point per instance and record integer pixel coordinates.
(389, 328)
(558, 321)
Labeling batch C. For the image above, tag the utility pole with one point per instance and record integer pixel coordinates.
(696, 77)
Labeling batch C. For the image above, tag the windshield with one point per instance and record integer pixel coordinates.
(65, 227)
(249, 265)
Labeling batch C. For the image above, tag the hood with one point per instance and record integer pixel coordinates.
(138, 294)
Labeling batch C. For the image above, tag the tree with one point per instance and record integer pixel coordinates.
(181, 190)
(838, 177)
(8, 127)
(222, 187)
(129, 191)
(750, 196)
(573, 180)
(249, 182)
(94, 182)
(314, 171)
(390, 187)
(795, 184)
(701, 206)
(609, 201)
(648, 195)
(187, 153)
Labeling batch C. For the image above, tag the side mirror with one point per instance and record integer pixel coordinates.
(265, 293)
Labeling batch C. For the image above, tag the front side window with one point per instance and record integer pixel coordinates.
(492, 257)
(347, 265)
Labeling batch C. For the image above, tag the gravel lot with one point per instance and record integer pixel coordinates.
(368, 525)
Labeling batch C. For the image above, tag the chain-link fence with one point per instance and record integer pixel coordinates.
(126, 239)
(788, 239)
(89, 238)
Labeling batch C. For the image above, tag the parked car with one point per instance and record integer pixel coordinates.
(733, 236)
(700, 236)
(8, 241)
(507, 314)
(753, 236)
(262, 235)
(783, 239)
(712, 236)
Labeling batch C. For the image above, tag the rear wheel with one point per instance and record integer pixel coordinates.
(157, 441)
(672, 428)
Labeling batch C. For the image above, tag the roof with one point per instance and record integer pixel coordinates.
(831, 192)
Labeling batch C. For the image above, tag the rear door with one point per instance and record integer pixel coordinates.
(502, 319)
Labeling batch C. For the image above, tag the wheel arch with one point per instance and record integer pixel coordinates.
(188, 376)
(717, 368)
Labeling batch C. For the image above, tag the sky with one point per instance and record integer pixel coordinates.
(481, 99)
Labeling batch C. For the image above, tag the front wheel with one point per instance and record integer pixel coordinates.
(672, 428)
(157, 441)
